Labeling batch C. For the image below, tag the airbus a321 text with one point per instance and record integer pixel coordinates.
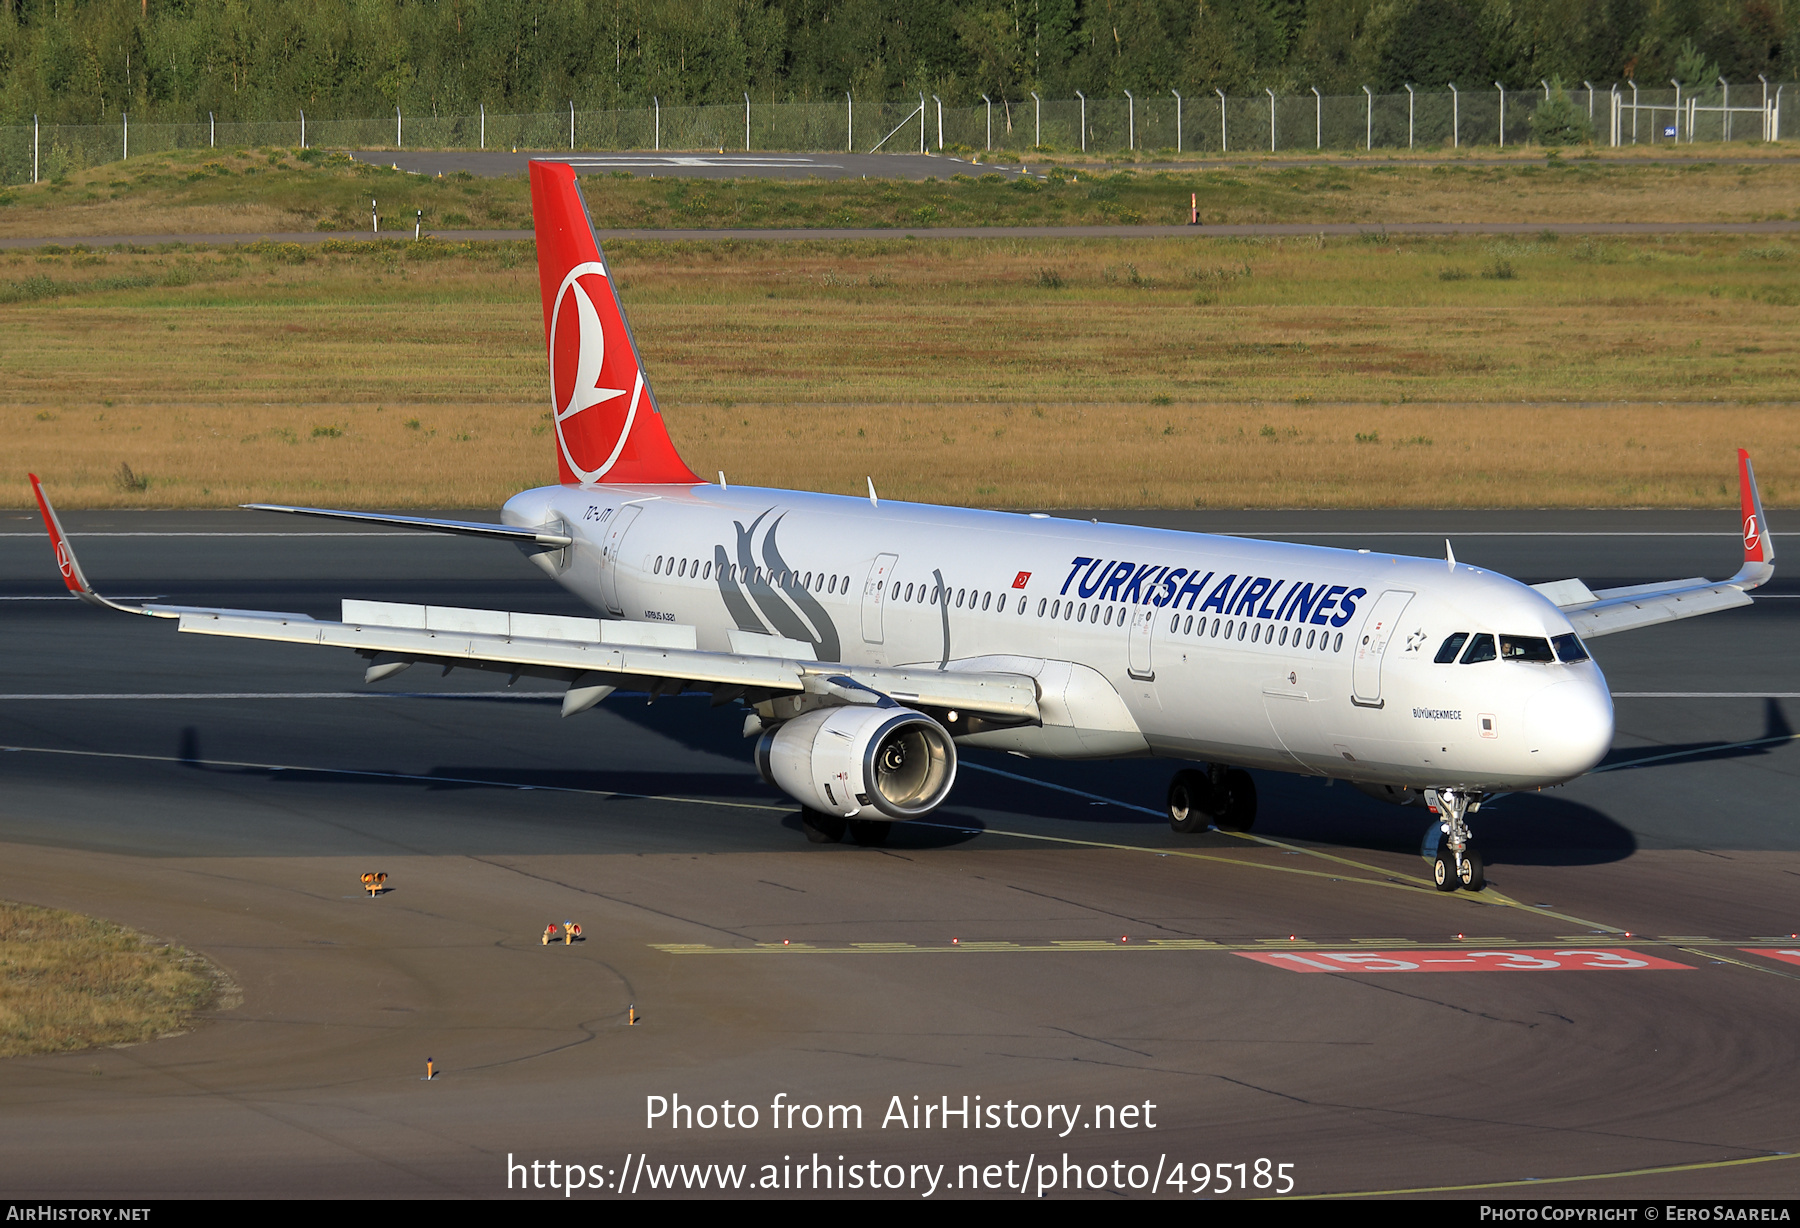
(871, 639)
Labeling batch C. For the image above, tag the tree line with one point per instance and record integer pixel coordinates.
(77, 61)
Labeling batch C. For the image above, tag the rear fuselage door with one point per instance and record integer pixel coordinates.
(1371, 646)
(875, 596)
(609, 555)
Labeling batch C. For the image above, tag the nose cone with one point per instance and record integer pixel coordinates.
(1569, 727)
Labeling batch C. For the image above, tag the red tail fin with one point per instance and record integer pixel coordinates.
(608, 428)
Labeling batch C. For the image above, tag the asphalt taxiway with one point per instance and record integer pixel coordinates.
(1045, 939)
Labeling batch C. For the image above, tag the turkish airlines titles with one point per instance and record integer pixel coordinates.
(1233, 596)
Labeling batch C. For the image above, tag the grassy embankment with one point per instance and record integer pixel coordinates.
(251, 191)
(73, 982)
(1180, 372)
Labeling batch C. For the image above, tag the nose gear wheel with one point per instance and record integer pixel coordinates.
(1459, 863)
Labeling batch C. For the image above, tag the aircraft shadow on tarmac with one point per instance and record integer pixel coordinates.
(1518, 829)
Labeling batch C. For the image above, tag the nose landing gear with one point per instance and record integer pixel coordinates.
(1458, 862)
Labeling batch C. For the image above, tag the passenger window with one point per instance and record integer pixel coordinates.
(986, 599)
(1525, 648)
(1481, 648)
(1569, 649)
(1452, 646)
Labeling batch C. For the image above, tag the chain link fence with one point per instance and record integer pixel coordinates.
(1215, 123)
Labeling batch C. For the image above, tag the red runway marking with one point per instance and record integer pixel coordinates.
(1787, 954)
(1569, 960)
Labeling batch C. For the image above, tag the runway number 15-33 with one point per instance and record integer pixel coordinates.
(1465, 961)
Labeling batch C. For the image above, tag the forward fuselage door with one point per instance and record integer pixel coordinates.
(1371, 646)
(609, 555)
(875, 596)
(1143, 630)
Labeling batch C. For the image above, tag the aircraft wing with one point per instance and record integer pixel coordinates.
(594, 657)
(1608, 610)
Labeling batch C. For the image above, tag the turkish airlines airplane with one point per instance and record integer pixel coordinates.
(871, 639)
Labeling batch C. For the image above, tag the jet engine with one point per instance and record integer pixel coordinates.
(842, 761)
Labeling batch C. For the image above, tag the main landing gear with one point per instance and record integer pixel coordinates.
(822, 828)
(1458, 862)
(1219, 797)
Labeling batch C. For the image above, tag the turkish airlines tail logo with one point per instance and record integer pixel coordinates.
(608, 428)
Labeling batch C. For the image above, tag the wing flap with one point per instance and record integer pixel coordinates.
(616, 656)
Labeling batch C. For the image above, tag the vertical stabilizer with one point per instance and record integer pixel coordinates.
(608, 428)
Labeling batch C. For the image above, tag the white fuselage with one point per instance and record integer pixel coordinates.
(1143, 641)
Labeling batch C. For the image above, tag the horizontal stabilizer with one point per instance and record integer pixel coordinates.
(425, 524)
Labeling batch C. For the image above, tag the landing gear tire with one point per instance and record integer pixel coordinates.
(870, 833)
(1234, 801)
(821, 828)
(1190, 801)
(1443, 871)
(1473, 876)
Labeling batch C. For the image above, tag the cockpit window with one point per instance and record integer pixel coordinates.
(1525, 648)
(1481, 648)
(1569, 649)
(1451, 647)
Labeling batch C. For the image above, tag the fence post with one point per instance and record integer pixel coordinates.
(1369, 120)
(940, 119)
(212, 131)
(398, 144)
(656, 135)
(1410, 100)
(1318, 118)
(1590, 90)
(34, 144)
(1221, 94)
(1502, 90)
(849, 122)
(1177, 120)
(1726, 103)
(303, 129)
(571, 125)
(990, 121)
(1634, 112)
(1037, 127)
(1271, 94)
(1677, 85)
(747, 124)
(1130, 121)
(126, 119)
(921, 121)
(1455, 117)
(1083, 98)
(483, 107)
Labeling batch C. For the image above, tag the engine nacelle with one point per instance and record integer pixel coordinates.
(842, 761)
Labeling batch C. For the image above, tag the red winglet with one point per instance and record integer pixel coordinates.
(65, 557)
(1758, 547)
(608, 428)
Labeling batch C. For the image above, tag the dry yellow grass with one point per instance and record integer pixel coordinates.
(74, 982)
(986, 455)
(996, 372)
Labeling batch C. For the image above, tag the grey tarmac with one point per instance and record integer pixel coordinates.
(1045, 939)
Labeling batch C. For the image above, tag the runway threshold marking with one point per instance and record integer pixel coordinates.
(1699, 1166)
